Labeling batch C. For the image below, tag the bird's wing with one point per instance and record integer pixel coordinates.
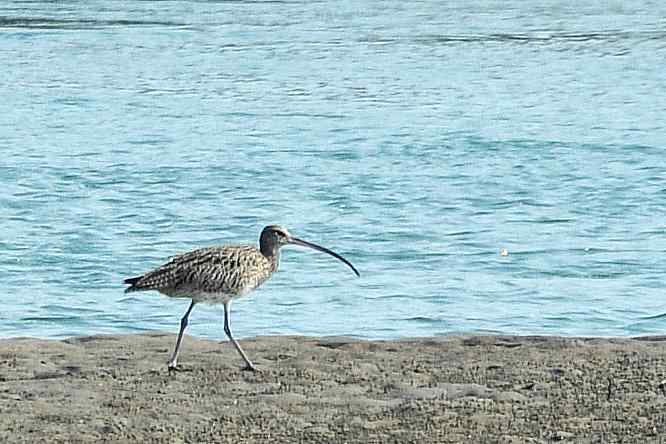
(171, 274)
(232, 270)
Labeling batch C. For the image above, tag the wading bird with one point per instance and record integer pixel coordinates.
(219, 275)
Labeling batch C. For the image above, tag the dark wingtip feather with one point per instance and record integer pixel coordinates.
(132, 282)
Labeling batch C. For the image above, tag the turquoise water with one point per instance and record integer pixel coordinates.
(418, 139)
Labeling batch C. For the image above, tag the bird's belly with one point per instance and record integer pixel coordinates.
(202, 296)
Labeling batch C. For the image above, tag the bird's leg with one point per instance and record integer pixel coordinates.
(183, 324)
(227, 329)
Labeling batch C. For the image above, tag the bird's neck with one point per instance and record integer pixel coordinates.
(273, 255)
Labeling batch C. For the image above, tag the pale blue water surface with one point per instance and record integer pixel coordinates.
(418, 139)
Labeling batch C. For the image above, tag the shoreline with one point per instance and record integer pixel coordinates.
(454, 388)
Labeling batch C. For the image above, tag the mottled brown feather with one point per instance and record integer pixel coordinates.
(209, 273)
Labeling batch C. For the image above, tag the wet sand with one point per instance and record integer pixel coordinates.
(507, 389)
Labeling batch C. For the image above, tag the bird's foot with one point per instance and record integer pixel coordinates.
(174, 369)
(250, 368)
(172, 366)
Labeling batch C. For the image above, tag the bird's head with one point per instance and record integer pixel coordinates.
(275, 236)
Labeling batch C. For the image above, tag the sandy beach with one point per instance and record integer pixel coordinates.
(506, 389)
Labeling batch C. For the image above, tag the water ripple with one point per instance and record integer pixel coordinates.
(494, 169)
(78, 23)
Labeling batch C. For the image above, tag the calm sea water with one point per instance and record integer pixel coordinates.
(418, 139)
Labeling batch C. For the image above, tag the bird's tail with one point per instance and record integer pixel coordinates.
(132, 282)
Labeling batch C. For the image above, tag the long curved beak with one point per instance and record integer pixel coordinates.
(301, 242)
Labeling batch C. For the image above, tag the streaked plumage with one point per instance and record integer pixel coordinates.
(220, 274)
(211, 274)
